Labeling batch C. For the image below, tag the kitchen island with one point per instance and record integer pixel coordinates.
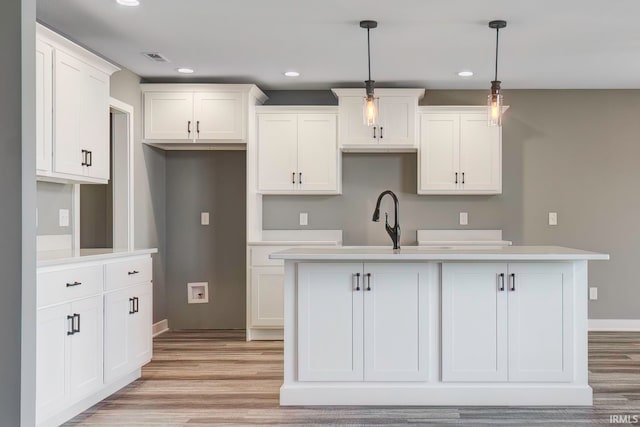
(373, 326)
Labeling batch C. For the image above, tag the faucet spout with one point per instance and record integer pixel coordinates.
(394, 232)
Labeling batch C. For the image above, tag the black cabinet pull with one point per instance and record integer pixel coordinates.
(189, 128)
(300, 177)
(74, 284)
(293, 177)
(132, 306)
(198, 128)
(501, 280)
(463, 177)
(368, 281)
(381, 134)
(131, 273)
(456, 177)
(136, 304)
(374, 132)
(72, 331)
(89, 158)
(77, 316)
(84, 158)
(357, 281)
(513, 281)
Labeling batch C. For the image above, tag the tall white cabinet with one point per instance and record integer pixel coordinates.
(459, 153)
(72, 111)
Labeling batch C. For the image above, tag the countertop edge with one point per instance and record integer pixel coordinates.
(74, 259)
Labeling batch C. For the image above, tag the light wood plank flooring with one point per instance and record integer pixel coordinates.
(215, 378)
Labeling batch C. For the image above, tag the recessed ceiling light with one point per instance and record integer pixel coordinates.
(465, 73)
(185, 70)
(128, 2)
(292, 74)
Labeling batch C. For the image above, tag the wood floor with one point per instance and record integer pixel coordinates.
(207, 378)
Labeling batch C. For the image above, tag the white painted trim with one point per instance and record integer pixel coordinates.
(381, 92)
(56, 242)
(296, 109)
(256, 334)
(129, 111)
(75, 206)
(160, 327)
(602, 325)
(455, 108)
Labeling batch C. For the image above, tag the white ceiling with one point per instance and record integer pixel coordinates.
(422, 43)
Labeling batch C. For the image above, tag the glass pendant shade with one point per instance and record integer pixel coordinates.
(494, 110)
(370, 110)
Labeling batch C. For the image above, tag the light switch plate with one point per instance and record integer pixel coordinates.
(593, 294)
(63, 217)
(464, 218)
(553, 218)
(304, 218)
(204, 218)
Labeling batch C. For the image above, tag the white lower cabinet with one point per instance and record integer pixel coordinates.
(267, 285)
(348, 323)
(69, 354)
(128, 320)
(507, 322)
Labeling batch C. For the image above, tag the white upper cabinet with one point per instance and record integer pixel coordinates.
(459, 153)
(72, 118)
(297, 151)
(396, 128)
(197, 113)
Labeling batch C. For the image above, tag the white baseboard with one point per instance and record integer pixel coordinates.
(160, 327)
(602, 325)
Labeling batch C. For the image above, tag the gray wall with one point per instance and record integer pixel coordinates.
(574, 152)
(51, 198)
(214, 182)
(149, 189)
(96, 215)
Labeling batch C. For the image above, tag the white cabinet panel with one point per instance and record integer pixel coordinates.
(267, 297)
(474, 322)
(44, 106)
(277, 152)
(169, 116)
(317, 152)
(141, 334)
(480, 150)
(397, 120)
(86, 351)
(540, 322)
(330, 323)
(396, 328)
(219, 115)
(95, 123)
(439, 152)
(353, 130)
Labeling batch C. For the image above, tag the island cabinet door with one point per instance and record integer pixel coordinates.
(396, 322)
(474, 322)
(540, 322)
(330, 322)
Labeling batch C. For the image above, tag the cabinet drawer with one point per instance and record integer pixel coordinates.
(129, 272)
(260, 255)
(68, 284)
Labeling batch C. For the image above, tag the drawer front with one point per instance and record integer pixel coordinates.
(68, 284)
(128, 272)
(260, 255)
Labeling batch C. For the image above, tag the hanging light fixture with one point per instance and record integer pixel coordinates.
(495, 100)
(370, 104)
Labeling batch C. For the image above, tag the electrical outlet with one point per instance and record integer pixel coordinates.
(593, 294)
(464, 218)
(63, 217)
(204, 218)
(553, 218)
(304, 218)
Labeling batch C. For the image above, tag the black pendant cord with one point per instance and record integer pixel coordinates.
(497, 40)
(369, 52)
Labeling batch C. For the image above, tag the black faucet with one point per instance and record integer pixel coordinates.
(394, 232)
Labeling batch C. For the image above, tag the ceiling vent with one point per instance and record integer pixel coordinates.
(155, 56)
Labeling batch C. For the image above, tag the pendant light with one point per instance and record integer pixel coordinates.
(370, 103)
(495, 100)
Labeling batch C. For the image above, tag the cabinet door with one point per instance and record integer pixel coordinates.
(169, 116)
(51, 359)
(219, 115)
(474, 322)
(277, 152)
(317, 152)
(117, 346)
(439, 152)
(330, 322)
(267, 298)
(353, 131)
(397, 120)
(95, 123)
(70, 77)
(396, 322)
(44, 105)
(480, 154)
(540, 322)
(85, 348)
(140, 330)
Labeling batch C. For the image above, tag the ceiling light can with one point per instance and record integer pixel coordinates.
(291, 73)
(465, 73)
(184, 70)
(129, 3)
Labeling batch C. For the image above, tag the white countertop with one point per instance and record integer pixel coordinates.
(415, 253)
(50, 258)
